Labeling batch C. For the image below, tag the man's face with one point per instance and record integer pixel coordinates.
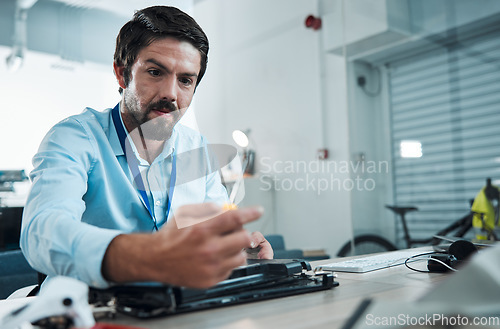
(161, 87)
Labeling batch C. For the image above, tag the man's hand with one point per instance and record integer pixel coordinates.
(197, 256)
(260, 248)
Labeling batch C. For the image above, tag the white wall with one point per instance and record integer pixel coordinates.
(39, 95)
(264, 74)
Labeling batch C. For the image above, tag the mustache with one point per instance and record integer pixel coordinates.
(162, 104)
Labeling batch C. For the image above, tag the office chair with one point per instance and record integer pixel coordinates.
(15, 272)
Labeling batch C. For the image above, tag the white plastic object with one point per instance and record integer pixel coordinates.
(61, 296)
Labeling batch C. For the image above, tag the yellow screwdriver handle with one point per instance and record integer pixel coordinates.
(230, 206)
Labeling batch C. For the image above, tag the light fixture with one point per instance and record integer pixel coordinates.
(241, 138)
(15, 60)
(410, 149)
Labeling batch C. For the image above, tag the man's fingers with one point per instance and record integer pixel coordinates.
(266, 253)
(234, 219)
(214, 217)
(257, 240)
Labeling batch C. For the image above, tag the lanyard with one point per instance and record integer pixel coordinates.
(134, 168)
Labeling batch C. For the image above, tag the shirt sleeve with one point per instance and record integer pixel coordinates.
(53, 237)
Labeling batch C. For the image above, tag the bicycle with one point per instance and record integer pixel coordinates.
(371, 243)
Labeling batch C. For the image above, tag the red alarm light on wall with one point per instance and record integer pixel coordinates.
(313, 22)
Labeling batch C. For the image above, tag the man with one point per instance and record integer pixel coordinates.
(103, 181)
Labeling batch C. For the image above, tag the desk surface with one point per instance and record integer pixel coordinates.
(325, 309)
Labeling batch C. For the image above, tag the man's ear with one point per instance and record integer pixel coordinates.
(120, 74)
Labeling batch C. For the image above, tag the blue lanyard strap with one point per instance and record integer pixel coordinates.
(173, 176)
(134, 168)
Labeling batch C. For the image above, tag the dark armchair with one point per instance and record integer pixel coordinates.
(15, 272)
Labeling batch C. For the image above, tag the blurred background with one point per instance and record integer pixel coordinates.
(349, 105)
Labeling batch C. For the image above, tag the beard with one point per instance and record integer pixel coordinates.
(153, 127)
(160, 128)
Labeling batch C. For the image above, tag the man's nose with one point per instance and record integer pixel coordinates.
(169, 90)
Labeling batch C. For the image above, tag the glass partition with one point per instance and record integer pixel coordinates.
(424, 111)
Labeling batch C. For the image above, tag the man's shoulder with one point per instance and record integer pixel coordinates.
(79, 135)
(80, 128)
(88, 122)
(89, 116)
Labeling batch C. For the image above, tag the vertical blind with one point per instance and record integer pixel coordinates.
(448, 99)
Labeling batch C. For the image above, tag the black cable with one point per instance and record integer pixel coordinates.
(433, 259)
(419, 255)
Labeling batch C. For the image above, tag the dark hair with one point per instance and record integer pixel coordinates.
(154, 23)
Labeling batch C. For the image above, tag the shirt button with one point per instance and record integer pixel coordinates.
(158, 203)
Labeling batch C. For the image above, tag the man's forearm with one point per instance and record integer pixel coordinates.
(128, 258)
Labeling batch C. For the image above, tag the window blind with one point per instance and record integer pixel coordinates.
(448, 99)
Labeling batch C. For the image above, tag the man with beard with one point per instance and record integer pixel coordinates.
(103, 181)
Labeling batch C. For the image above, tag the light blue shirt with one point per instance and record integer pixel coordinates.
(83, 194)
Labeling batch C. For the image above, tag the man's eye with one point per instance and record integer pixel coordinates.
(154, 73)
(186, 81)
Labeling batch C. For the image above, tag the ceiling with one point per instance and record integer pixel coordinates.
(126, 7)
(75, 30)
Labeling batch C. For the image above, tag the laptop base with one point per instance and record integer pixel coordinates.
(259, 280)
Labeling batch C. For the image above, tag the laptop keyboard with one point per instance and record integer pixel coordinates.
(370, 263)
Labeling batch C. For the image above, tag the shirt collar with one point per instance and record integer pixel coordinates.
(169, 146)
